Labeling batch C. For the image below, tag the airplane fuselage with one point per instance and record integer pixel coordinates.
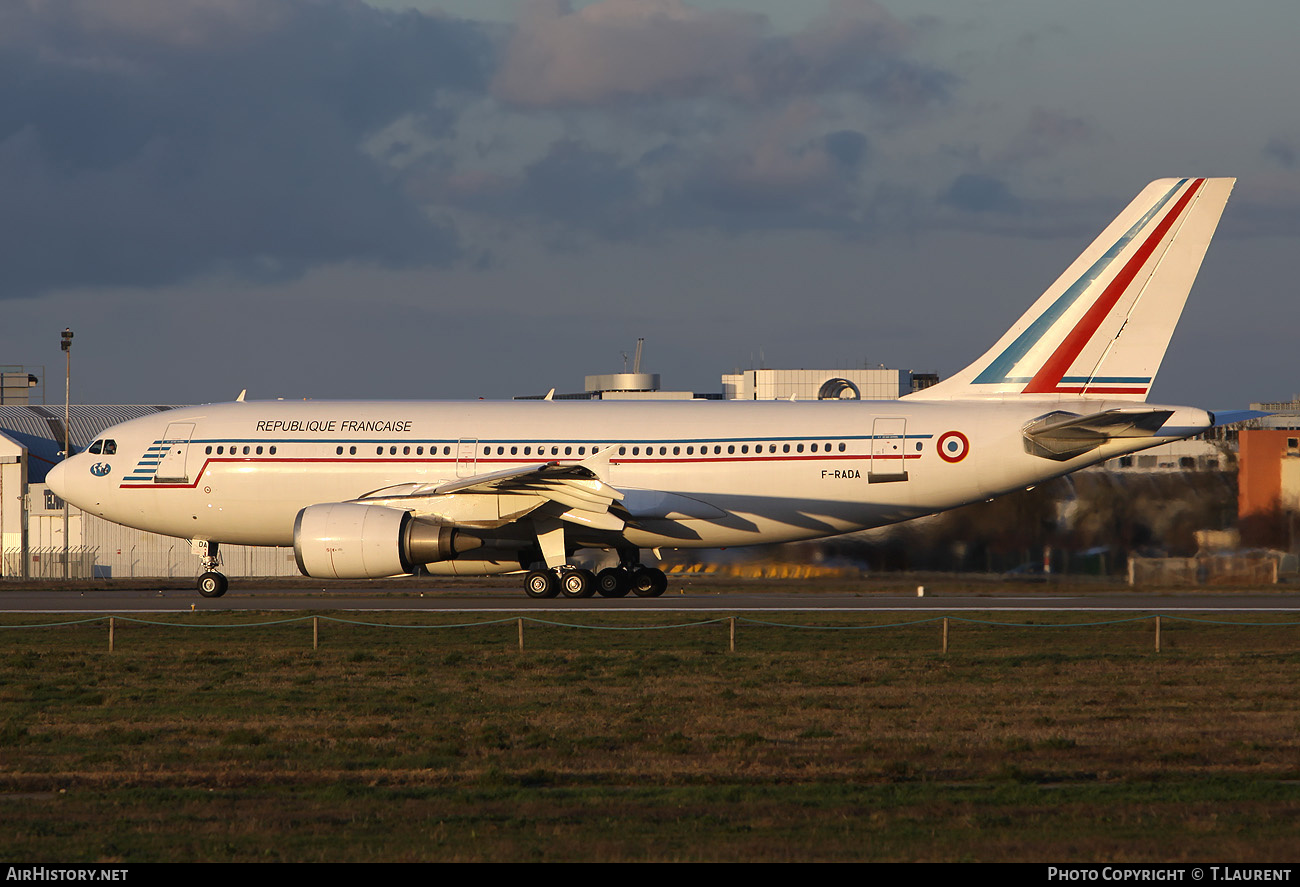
(694, 474)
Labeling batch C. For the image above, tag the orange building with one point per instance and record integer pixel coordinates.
(1268, 485)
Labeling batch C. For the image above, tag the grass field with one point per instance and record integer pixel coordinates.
(1042, 743)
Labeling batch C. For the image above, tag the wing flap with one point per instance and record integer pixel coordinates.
(576, 488)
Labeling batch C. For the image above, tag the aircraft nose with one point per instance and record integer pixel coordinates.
(57, 480)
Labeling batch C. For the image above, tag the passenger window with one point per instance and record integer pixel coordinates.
(272, 451)
(352, 451)
(259, 450)
(245, 451)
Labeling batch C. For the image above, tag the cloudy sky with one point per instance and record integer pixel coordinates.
(465, 198)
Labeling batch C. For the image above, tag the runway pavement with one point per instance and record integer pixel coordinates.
(798, 597)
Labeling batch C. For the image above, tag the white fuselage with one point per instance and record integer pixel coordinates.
(695, 474)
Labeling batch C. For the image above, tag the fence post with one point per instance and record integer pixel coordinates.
(1157, 633)
(315, 632)
(110, 634)
(945, 635)
(733, 634)
(521, 634)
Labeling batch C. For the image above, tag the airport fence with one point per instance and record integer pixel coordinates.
(1215, 569)
(48, 563)
(1151, 637)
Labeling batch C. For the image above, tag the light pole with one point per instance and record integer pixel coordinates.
(66, 344)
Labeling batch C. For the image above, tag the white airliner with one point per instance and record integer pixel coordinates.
(380, 489)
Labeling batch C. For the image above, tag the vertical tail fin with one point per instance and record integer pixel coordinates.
(1102, 328)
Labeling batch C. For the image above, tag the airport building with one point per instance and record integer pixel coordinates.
(765, 384)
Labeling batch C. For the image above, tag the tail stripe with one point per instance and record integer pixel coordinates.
(998, 371)
(1048, 378)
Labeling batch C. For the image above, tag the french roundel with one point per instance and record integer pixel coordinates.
(953, 446)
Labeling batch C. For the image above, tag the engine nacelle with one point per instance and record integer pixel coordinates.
(348, 540)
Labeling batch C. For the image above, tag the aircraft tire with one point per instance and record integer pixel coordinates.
(213, 584)
(649, 582)
(577, 583)
(541, 584)
(613, 582)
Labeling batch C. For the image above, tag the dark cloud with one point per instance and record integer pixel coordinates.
(772, 184)
(977, 193)
(763, 184)
(147, 141)
(847, 147)
(1282, 151)
(584, 188)
(1047, 133)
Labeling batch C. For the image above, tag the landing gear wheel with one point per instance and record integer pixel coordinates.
(541, 584)
(213, 584)
(649, 582)
(613, 582)
(577, 583)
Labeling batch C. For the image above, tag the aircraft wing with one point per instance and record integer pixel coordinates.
(1062, 436)
(574, 493)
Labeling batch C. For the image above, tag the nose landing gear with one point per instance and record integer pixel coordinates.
(211, 582)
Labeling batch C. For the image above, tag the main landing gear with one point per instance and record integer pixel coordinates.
(211, 582)
(611, 582)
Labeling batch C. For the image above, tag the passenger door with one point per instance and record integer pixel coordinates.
(176, 444)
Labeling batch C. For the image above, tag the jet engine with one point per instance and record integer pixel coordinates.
(348, 540)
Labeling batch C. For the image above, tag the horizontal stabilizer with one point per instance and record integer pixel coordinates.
(1230, 417)
(1062, 436)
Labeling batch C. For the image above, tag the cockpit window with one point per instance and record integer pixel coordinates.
(97, 447)
(110, 448)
